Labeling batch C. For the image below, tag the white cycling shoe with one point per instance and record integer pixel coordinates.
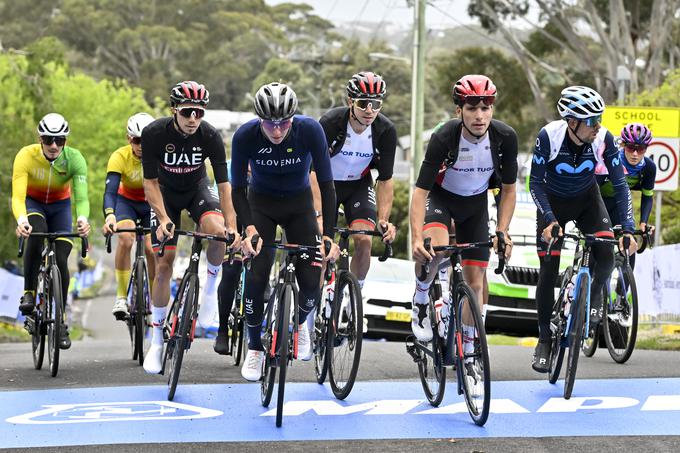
(153, 362)
(206, 314)
(304, 343)
(252, 365)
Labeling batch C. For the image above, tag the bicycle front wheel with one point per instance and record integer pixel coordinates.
(284, 345)
(269, 339)
(557, 326)
(473, 361)
(182, 311)
(38, 334)
(620, 315)
(55, 319)
(139, 312)
(576, 334)
(431, 361)
(321, 342)
(347, 330)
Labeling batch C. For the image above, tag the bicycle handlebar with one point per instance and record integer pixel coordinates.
(53, 236)
(387, 252)
(195, 234)
(427, 243)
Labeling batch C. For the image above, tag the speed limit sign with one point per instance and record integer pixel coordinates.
(664, 153)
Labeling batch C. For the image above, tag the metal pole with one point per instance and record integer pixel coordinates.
(657, 223)
(417, 99)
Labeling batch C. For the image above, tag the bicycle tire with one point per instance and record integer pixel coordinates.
(576, 334)
(558, 323)
(269, 362)
(139, 312)
(626, 306)
(55, 302)
(284, 346)
(38, 334)
(478, 408)
(321, 342)
(236, 325)
(431, 369)
(344, 355)
(180, 339)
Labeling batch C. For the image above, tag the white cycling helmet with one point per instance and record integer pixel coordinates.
(137, 122)
(580, 102)
(275, 102)
(53, 125)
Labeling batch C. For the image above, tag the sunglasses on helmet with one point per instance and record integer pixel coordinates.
(593, 121)
(270, 125)
(475, 100)
(188, 112)
(362, 104)
(48, 140)
(635, 148)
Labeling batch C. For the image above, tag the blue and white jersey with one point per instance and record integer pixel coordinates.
(557, 170)
(281, 169)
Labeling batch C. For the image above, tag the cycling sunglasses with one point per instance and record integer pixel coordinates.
(475, 100)
(270, 125)
(48, 140)
(362, 104)
(593, 121)
(188, 112)
(136, 140)
(640, 149)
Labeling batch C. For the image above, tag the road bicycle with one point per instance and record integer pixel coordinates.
(138, 291)
(620, 312)
(463, 344)
(280, 336)
(48, 318)
(180, 322)
(569, 322)
(339, 320)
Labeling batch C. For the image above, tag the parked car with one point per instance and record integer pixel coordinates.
(387, 296)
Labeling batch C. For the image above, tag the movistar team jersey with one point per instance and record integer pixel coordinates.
(124, 162)
(281, 169)
(557, 170)
(47, 182)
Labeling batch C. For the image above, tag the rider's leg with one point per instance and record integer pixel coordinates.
(211, 223)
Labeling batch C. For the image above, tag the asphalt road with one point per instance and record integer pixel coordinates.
(104, 359)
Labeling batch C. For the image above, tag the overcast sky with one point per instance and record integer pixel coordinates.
(440, 13)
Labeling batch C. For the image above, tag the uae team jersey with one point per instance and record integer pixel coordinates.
(282, 169)
(178, 161)
(47, 182)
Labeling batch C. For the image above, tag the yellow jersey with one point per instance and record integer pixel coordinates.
(124, 162)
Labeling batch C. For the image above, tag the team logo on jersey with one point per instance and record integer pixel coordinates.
(289, 150)
(357, 204)
(538, 159)
(566, 168)
(616, 161)
(197, 149)
(170, 148)
(267, 150)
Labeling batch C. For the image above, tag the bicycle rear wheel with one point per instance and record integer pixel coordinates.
(620, 315)
(55, 318)
(38, 334)
(557, 326)
(182, 312)
(576, 334)
(270, 349)
(431, 360)
(346, 336)
(473, 360)
(284, 346)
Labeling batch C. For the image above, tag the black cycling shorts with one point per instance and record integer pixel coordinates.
(470, 215)
(200, 202)
(127, 209)
(358, 200)
(587, 210)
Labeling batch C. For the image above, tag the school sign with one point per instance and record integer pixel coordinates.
(664, 149)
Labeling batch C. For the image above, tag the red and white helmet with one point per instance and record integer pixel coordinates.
(189, 92)
(474, 86)
(366, 85)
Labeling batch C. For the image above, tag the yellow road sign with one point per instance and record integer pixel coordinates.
(663, 122)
